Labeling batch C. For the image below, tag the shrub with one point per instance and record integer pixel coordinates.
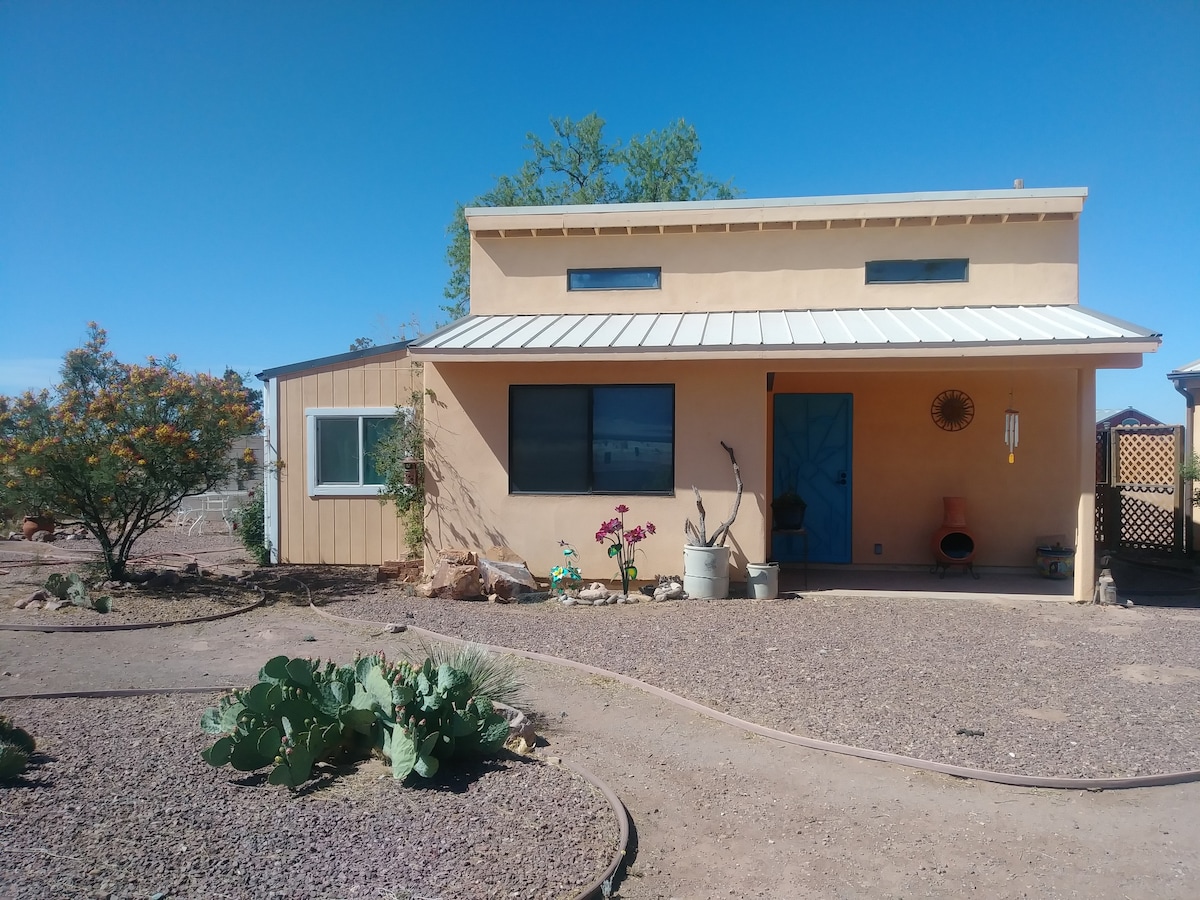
(115, 446)
(16, 745)
(302, 712)
(251, 522)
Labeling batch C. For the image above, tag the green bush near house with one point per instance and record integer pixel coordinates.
(251, 522)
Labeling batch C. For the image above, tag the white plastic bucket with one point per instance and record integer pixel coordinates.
(762, 581)
(706, 572)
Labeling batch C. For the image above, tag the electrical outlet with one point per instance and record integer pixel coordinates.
(879, 549)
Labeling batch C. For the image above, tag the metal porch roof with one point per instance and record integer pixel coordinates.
(853, 332)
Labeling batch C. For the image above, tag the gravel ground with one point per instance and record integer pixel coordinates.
(120, 805)
(1056, 689)
(28, 565)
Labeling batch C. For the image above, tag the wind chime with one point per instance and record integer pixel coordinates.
(1012, 429)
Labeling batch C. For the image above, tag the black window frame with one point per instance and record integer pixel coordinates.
(880, 278)
(590, 441)
(655, 270)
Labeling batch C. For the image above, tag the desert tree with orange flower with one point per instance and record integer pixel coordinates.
(115, 447)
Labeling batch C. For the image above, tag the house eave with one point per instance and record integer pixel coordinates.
(776, 214)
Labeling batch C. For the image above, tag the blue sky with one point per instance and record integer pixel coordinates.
(255, 184)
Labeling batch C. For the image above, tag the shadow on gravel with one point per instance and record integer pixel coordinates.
(464, 773)
(322, 584)
(1152, 582)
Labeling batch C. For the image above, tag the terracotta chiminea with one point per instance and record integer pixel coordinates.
(952, 544)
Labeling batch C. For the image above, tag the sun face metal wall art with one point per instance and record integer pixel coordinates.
(952, 410)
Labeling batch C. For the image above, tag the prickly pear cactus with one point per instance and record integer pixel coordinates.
(73, 589)
(301, 713)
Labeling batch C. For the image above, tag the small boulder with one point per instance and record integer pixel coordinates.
(456, 556)
(54, 605)
(592, 593)
(506, 579)
(456, 581)
(45, 537)
(520, 727)
(504, 554)
(670, 590)
(35, 598)
(169, 578)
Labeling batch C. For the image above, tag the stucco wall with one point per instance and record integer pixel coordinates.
(336, 530)
(1028, 262)
(902, 463)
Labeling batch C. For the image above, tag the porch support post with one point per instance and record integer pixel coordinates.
(1085, 528)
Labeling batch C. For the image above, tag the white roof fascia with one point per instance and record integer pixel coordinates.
(1073, 193)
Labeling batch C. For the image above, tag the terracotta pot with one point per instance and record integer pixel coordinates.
(33, 524)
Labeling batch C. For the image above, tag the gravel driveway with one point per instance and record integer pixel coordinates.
(1023, 686)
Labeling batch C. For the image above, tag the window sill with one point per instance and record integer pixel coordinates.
(346, 490)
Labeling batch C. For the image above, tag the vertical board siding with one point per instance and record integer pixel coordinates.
(336, 530)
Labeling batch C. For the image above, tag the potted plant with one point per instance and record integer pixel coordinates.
(35, 523)
(705, 556)
(787, 511)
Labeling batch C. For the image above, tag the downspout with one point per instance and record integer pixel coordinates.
(271, 465)
(1190, 447)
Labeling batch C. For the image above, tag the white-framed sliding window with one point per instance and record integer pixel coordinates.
(341, 445)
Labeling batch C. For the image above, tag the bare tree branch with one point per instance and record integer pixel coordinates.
(697, 535)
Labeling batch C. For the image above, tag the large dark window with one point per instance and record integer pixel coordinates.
(902, 271)
(644, 279)
(580, 439)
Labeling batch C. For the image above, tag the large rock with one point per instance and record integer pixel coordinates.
(457, 556)
(506, 579)
(456, 582)
(504, 554)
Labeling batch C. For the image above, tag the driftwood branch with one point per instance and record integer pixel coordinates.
(698, 535)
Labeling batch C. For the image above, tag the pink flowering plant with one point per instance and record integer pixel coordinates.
(624, 543)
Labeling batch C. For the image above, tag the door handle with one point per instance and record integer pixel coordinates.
(841, 479)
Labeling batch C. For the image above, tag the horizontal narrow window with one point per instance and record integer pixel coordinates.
(341, 450)
(904, 271)
(580, 439)
(614, 279)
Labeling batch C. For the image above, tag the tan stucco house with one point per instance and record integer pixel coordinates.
(322, 417)
(865, 351)
(1187, 382)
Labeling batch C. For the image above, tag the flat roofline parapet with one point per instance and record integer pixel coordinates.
(794, 213)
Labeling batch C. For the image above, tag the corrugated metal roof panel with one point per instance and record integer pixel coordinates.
(783, 330)
(718, 330)
(690, 332)
(747, 329)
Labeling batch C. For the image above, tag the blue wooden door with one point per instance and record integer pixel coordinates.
(812, 456)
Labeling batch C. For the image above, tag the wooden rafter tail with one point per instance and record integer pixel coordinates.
(723, 530)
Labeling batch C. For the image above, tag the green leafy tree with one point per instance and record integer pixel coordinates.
(1191, 472)
(577, 166)
(115, 446)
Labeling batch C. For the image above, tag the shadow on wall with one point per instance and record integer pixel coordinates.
(439, 471)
